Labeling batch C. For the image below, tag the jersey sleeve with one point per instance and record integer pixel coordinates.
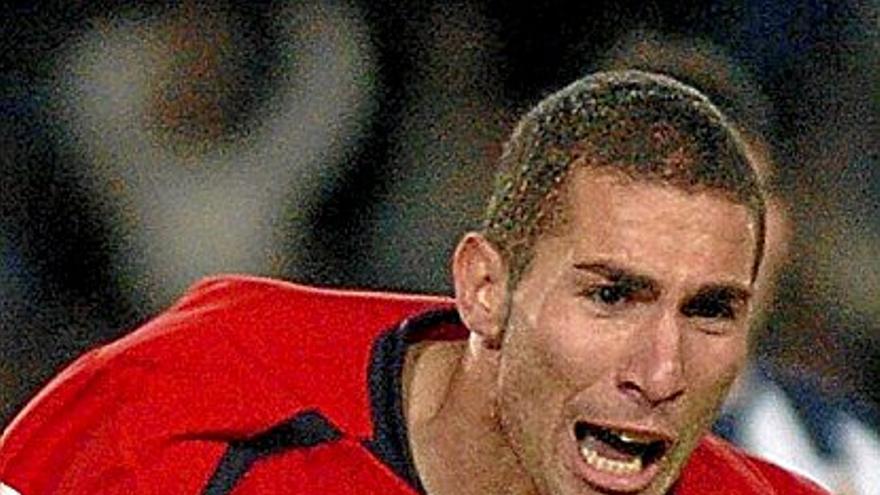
(156, 411)
(92, 431)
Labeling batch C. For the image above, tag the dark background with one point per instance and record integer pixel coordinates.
(143, 145)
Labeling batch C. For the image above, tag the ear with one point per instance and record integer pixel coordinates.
(480, 275)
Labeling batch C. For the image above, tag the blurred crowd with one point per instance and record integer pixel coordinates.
(144, 145)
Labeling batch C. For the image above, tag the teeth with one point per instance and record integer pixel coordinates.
(632, 437)
(614, 466)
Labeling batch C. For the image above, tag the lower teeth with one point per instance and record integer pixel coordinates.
(601, 463)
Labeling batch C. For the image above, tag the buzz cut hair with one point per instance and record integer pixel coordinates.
(642, 126)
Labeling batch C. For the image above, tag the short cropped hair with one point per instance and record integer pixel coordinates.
(649, 127)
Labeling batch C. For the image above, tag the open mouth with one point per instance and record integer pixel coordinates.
(619, 459)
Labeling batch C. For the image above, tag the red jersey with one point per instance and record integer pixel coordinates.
(250, 386)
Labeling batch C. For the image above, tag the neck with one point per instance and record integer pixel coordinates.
(457, 441)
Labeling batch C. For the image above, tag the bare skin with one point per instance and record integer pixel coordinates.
(634, 317)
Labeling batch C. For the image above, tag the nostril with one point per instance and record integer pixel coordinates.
(652, 395)
(631, 388)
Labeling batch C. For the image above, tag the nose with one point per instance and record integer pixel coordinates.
(654, 371)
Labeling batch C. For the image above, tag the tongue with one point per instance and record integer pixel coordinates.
(605, 449)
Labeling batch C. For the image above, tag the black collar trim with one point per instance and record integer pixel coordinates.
(390, 441)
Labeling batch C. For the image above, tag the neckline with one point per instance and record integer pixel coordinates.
(390, 439)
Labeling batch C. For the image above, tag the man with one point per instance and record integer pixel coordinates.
(599, 319)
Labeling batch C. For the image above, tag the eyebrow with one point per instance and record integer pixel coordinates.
(724, 292)
(620, 275)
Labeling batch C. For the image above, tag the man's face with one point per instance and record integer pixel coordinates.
(624, 335)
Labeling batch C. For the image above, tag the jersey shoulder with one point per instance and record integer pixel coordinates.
(231, 358)
(720, 467)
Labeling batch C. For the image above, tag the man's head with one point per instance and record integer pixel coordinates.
(609, 295)
(646, 126)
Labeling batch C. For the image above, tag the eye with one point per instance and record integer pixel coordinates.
(709, 306)
(608, 295)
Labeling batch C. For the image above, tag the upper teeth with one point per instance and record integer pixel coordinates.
(632, 438)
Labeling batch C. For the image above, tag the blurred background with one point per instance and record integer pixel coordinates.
(144, 145)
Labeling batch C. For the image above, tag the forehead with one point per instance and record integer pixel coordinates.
(657, 229)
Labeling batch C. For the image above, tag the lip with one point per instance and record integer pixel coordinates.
(616, 482)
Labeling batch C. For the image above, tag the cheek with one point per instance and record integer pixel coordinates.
(712, 365)
(565, 351)
(587, 354)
